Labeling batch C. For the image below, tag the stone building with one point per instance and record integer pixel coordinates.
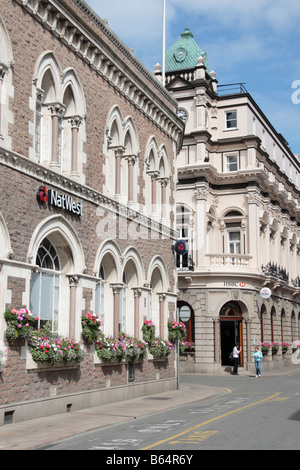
(238, 207)
(88, 146)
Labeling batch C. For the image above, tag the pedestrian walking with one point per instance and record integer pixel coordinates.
(236, 353)
(257, 358)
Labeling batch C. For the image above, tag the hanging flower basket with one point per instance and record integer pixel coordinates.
(284, 347)
(275, 348)
(148, 331)
(20, 324)
(265, 348)
(186, 347)
(177, 330)
(91, 327)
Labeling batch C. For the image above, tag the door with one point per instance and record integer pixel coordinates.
(230, 336)
(231, 332)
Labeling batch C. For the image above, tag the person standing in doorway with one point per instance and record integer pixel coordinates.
(236, 354)
(257, 358)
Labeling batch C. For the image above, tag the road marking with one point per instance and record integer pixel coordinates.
(187, 431)
(196, 437)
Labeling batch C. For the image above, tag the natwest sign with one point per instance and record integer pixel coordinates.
(59, 200)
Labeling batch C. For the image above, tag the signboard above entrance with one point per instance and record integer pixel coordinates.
(62, 201)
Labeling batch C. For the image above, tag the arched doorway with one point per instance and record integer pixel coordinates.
(231, 331)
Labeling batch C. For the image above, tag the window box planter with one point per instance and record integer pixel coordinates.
(123, 349)
(31, 365)
(152, 358)
(159, 349)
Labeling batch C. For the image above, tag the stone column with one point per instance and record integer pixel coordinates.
(163, 182)
(154, 176)
(57, 111)
(162, 298)
(116, 291)
(253, 222)
(73, 280)
(75, 122)
(201, 194)
(248, 339)
(131, 159)
(3, 70)
(118, 155)
(216, 321)
(137, 294)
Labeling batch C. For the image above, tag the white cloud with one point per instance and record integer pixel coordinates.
(252, 41)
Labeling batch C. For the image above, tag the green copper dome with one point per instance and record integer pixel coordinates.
(183, 54)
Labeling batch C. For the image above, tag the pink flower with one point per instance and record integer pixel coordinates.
(19, 326)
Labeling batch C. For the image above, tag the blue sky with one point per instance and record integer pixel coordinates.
(256, 42)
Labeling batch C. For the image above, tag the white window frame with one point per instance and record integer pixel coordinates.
(228, 163)
(234, 243)
(229, 120)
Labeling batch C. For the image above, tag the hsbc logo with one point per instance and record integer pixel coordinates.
(234, 284)
(59, 200)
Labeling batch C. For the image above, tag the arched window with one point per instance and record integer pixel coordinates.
(45, 286)
(59, 111)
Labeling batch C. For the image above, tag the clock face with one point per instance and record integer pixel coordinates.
(180, 54)
(182, 114)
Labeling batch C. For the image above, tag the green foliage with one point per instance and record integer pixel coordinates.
(20, 324)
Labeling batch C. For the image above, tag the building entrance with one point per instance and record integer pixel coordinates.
(231, 332)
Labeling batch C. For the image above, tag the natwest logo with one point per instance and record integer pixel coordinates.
(59, 200)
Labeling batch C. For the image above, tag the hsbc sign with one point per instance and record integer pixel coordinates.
(59, 200)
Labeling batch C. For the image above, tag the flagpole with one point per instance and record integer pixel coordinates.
(164, 46)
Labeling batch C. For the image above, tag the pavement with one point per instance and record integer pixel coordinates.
(42, 432)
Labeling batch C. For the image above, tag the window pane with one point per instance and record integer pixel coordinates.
(234, 236)
(231, 162)
(35, 294)
(231, 119)
(47, 297)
